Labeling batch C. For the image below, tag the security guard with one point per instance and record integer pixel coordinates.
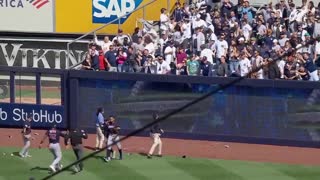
(75, 137)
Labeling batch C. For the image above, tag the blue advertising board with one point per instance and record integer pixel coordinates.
(43, 116)
(105, 11)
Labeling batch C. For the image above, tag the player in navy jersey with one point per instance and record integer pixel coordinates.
(155, 133)
(26, 135)
(54, 146)
(106, 132)
(113, 136)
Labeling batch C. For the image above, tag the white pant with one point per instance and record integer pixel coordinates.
(112, 139)
(56, 151)
(156, 142)
(314, 76)
(25, 149)
(99, 138)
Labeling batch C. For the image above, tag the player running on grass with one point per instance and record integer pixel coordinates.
(26, 135)
(155, 134)
(113, 130)
(54, 146)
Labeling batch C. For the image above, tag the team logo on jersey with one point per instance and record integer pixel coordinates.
(105, 11)
(22, 3)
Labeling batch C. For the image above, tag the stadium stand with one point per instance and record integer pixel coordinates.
(223, 40)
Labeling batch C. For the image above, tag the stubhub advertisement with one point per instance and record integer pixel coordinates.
(105, 11)
(43, 116)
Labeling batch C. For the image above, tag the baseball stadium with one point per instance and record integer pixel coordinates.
(159, 89)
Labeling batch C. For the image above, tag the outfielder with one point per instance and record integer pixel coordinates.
(106, 132)
(54, 146)
(113, 137)
(26, 135)
(155, 134)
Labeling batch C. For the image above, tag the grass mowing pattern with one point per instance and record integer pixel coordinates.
(32, 93)
(137, 167)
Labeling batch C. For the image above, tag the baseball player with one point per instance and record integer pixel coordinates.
(75, 137)
(54, 146)
(106, 132)
(113, 137)
(99, 126)
(155, 134)
(26, 135)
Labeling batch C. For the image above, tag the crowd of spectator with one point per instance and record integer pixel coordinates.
(223, 40)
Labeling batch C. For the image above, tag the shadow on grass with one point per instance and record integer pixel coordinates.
(38, 168)
(16, 154)
(90, 148)
(101, 158)
(143, 154)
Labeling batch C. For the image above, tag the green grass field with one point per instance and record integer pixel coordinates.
(137, 167)
(32, 93)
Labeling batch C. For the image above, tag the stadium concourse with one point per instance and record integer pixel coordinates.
(193, 149)
(198, 39)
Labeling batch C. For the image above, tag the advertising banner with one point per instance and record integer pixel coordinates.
(91, 14)
(107, 11)
(43, 116)
(40, 54)
(27, 15)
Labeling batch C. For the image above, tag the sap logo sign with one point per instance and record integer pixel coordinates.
(105, 11)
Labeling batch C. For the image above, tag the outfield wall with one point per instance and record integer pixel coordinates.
(259, 111)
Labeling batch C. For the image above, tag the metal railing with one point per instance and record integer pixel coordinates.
(97, 29)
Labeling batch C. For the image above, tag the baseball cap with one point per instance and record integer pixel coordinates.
(299, 46)
(120, 30)
(241, 39)
(159, 56)
(306, 34)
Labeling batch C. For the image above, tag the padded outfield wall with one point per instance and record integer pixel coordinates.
(259, 111)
